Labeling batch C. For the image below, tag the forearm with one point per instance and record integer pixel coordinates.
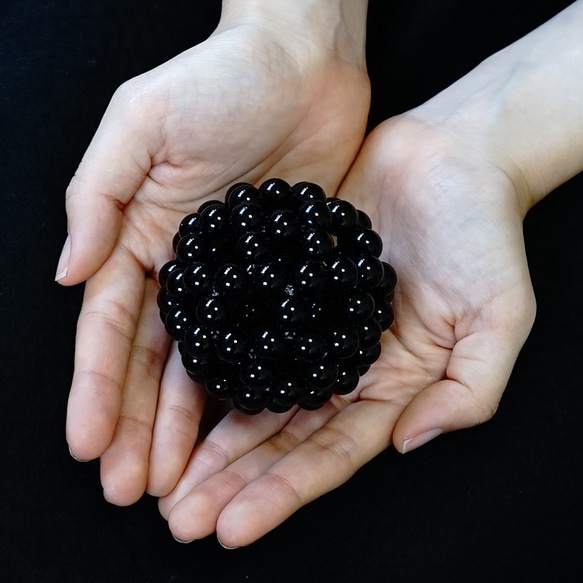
(523, 106)
(307, 26)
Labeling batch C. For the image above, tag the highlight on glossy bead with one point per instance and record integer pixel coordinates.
(277, 297)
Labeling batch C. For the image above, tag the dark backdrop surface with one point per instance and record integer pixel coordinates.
(497, 502)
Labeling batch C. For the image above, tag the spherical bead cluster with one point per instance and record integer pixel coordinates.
(277, 296)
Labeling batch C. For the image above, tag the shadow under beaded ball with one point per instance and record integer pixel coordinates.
(277, 297)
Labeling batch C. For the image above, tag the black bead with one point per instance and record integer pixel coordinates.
(315, 397)
(304, 192)
(214, 218)
(177, 321)
(269, 345)
(221, 385)
(253, 247)
(247, 216)
(322, 375)
(189, 225)
(282, 226)
(166, 301)
(310, 278)
(175, 284)
(190, 248)
(232, 346)
(310, 346)
(212, 312)
(240, 193)
(384, 314)
(367, 356)
(167, 269)
(343, 343)
(342, 273)
(315, 214)
(269, 278)
(389, 281)
(198, 279)
(251, 400)
(275, 192)
(346, 381)
(360, 307)
(198, 341)
(370, 272)
(230, 280)
(344, 215)
(369, 333)
(316, 244)
(364, 220)
(286, 393)
(256, 375)
(195, 366)
(290, 313)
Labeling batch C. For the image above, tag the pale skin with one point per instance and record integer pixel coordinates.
(448, 183)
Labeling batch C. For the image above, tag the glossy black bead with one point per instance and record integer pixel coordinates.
(232, 346)
(198, 279)
(198, 341)
(214, 218)
(310, 346)
(253, 247)
(369, 333)
(190, 248)
(342, 273)
(343, 214)
(175, 285)
(270, 278)
(290, 313)
(250, 314)
(346, 381)
(175, 241)
(321, 375)
(342, 343)
(315, 397)
(166, 301)
(177, 322)
(251, 400)
(315, 214)
(221, 385)
(256, 375)
(384, 314)
(367, 356)
(217, 250)
(269, 344)
(189, 225)
(212, 312)
(361, 241)
(247, 216)
(242, 192)
(275, 192)
(310, 278)
(167, 269)
(283, 225)
(364, 220)
(360, 307)
(286, 393)
(389, 281)
(316, 244)
(370, 272)
(230, 280)
(195, 365)
(304, 192)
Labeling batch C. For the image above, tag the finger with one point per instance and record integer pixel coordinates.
(111, 171)
(105, 333)
(180, 407)
(319, 464)
(195, 515)
(124, 465)
(476, 376)
(234, 436)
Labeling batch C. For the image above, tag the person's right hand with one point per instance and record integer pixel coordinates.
(257, 99)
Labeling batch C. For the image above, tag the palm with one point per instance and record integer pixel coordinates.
(464, 305)
(172, 138)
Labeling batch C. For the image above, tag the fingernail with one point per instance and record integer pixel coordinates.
(225, 546)
(182, 542)
(63, 264)
(73, 456)
(419, 440)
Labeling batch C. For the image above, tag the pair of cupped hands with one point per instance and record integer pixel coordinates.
(242, 107)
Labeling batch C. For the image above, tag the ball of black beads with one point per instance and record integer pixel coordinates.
(277, 296)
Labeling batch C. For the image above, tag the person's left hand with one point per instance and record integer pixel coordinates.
(451, 222)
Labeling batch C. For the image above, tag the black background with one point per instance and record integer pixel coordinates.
(497, 502)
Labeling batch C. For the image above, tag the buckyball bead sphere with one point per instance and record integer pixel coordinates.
(277, 296)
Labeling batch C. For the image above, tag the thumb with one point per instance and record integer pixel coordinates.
(111, 171)
(476, 376)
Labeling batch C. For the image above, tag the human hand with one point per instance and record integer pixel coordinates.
(259, 98)
(451, 222)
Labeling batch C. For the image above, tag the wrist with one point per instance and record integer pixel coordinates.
(521, 109)
(307, 28)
